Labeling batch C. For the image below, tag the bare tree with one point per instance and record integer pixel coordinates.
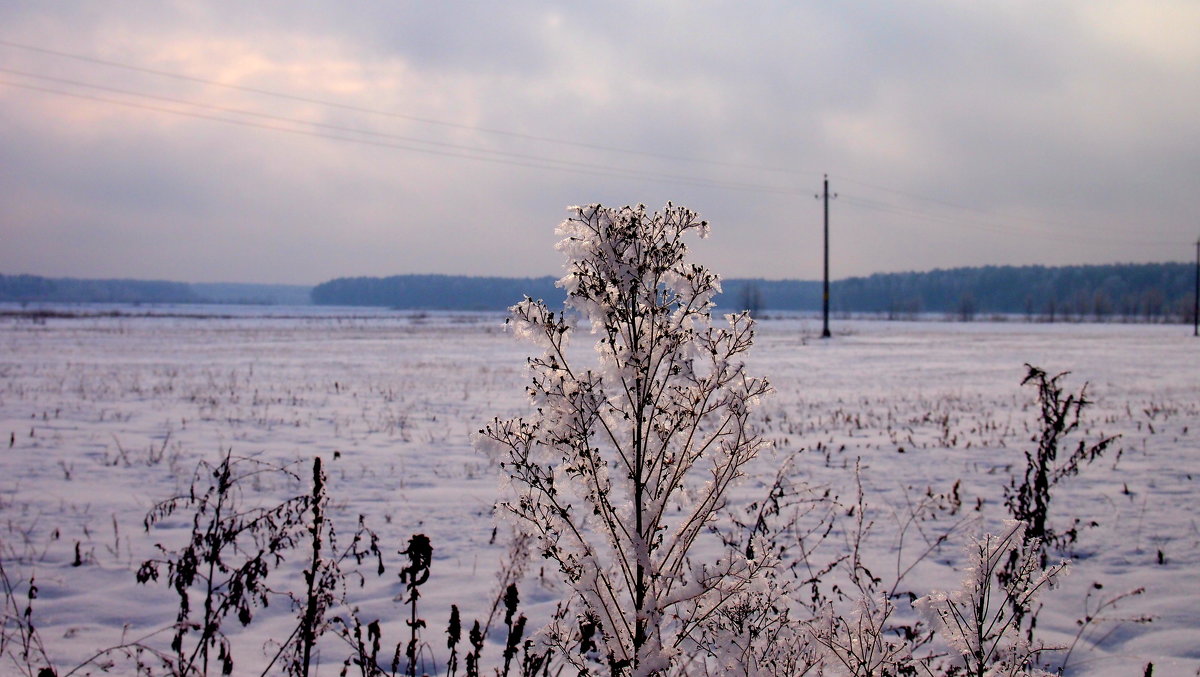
(624, 465)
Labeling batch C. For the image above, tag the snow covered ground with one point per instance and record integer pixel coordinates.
(101, 416)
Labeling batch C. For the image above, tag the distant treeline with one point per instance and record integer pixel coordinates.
(436, 292)
(1153, 292)
(36, 289)
(1144, 292)
(1131, 292)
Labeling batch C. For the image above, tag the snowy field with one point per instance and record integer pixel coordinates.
(102, 416)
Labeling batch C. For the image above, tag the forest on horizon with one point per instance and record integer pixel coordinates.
(1146, 292)
(1130, 292)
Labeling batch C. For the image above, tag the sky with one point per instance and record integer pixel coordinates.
(296, 142)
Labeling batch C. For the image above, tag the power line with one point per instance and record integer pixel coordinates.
(392, 114)
(999, 228)
(953, 205)
(468, 152)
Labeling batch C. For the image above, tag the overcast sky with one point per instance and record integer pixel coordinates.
(296, 142)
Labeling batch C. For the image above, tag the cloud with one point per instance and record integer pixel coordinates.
(1059, 132)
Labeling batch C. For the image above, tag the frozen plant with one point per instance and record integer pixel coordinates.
(232, 548)
(1028, 500)
(981, 621)
(325, 580)
(23, 652)
(416, 574)
(624, 464)
(1097, 610)
(861, 643)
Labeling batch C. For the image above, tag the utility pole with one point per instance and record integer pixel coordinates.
(825, 295)
(1196, 295)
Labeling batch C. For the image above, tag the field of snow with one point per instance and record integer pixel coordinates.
(101, 416)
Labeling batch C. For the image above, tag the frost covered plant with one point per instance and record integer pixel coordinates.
(861, 643)
(978, 620)
(625, 463)
(754, 633)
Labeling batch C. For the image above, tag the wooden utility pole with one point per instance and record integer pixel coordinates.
(825, 293)
(1196, 295)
